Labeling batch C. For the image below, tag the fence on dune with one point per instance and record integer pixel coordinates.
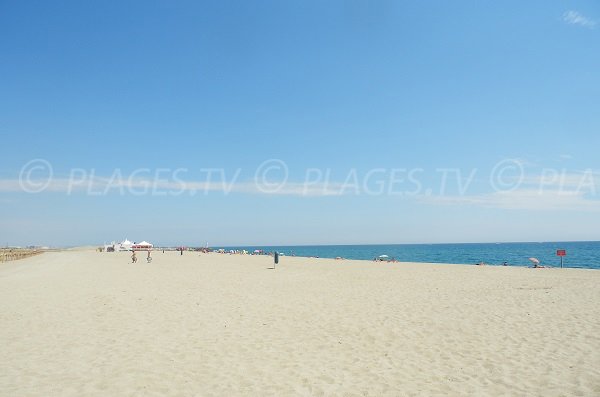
(13, 254)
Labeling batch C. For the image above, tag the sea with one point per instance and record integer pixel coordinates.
(580, 254)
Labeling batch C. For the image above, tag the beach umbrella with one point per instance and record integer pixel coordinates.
(383, 256)
(535, 261)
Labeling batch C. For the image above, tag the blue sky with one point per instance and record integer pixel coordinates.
(490, 107)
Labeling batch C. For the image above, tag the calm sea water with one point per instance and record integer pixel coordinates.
(579, 254)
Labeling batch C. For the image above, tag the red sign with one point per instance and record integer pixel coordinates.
(561, 252)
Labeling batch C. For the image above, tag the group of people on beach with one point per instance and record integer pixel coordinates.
(390, 260)
(134, 257)
(536, 265)
(483, 264)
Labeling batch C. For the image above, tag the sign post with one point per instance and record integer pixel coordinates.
(561, 253)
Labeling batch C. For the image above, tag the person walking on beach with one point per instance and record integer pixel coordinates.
(133, 257)
(149, 258)
(275, 258)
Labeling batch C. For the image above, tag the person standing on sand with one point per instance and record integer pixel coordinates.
(133, 258)
(149, 258)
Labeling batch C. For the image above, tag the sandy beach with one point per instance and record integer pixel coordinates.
(83, 323)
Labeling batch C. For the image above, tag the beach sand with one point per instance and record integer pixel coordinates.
(83, 323)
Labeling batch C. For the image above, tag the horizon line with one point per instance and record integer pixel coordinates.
(317, 244)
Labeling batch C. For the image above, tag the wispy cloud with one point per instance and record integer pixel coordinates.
(549, 191)
(558, 188)
(102, 186)
(525, 199)
(587, 181)
(576, 18)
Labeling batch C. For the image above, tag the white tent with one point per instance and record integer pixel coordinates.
(142, 245)
(125, 245)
